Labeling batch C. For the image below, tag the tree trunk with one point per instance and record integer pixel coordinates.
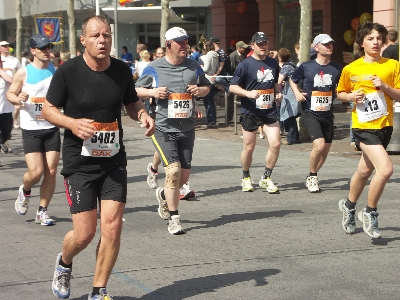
(72, 28)
(164, 21)
(305, 39)
(18, 38)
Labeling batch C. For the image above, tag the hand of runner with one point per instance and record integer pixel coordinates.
(377, 82)
(83, 128)
(357, 96)
(278, 97)
(253, 94)
(160, 93)
(193, 90)
(147, 122)
(23, 97)
(198, 112)
(300, 97)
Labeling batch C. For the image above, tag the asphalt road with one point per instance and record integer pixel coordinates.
(238, 245)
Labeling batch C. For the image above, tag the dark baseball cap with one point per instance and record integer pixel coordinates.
(214, 40)
(39, 41)
(259, 37)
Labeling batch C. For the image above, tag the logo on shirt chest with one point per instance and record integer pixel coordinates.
(264, 75)
(322, 80)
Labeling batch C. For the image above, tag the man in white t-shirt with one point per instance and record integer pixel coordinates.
(13, 64)
(6, 108)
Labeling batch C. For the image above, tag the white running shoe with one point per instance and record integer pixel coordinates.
(247, 185)
(312, 184)
(175, 225)
(185, 193)
(151, 177)
(348, 220)
(269, 185)
(22, 202)
(162, 205)
(370, 223)
(61, 280)
(43, 218)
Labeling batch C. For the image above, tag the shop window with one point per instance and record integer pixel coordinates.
(288, 31)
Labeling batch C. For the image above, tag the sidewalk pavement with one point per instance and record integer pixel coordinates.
(238, 245)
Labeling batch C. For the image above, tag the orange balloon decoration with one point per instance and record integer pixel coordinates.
(355, 23)
(242, 7)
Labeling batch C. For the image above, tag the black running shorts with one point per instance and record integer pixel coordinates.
(84, 189)
(251, 123)
(174, 147)
(43, 140)
(318, 127)
(373, 136)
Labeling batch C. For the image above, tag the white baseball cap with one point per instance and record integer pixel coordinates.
(176, 34)
(322, 38)
(3, 43)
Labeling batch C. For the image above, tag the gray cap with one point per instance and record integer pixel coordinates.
(38, 41)
(322, 38)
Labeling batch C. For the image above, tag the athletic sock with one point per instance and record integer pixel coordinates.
(173, 213)
(26, 193)
(162, 195)
(350, 205)
(96, 290)
(154, 171)
(312, 174)
(41, 207)
(369, 209)
(246, 173)
(64, 265)
(267, 172)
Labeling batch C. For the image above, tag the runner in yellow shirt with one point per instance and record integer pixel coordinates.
(371, 82)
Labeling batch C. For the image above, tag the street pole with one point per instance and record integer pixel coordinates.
(116, 28)
(97, 8)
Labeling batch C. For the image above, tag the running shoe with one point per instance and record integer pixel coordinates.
(175, 225)
(370, 223)
(348, 221)
(185, 193)
(102, 296)
(151, 177)
(16, 125)
(5, 148)
(247, 185)
(61, 280)
(162, 205)
(268, 184)
(312, 184)
(22, 202)
(262, 136)
(43, 218)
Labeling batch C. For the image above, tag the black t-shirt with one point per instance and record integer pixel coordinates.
(392, 51)
(319, 80)
(84, 93)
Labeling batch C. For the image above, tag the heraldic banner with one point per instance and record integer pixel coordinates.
(49, 27)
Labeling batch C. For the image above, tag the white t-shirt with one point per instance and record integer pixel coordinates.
(11, 63)
(5, 105)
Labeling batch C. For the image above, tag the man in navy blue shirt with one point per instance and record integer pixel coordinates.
(125, 56)
(256, 81)
(320, 77)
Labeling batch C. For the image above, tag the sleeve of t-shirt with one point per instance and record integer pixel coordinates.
(57, 93)
(238, 75)
(277, 73)
(298, 74)
(148, 79)
(397, 76)
(201, 78)
(344, 82)
(130, 95)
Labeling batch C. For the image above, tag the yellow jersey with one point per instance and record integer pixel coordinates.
(377, 110)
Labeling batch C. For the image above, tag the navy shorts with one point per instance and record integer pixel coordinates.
(84, 189)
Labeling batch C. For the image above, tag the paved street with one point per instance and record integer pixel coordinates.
(238, 245)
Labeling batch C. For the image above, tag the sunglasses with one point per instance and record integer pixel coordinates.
(49, 46)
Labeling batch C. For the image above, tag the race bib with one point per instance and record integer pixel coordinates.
(35, 108)
(180, 105)
(266, 99)
(104, 142)
(373, 107)
(321, 101)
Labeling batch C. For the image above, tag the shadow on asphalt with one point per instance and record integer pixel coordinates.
(226, 219)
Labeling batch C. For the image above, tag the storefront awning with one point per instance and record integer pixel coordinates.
(137, 15)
